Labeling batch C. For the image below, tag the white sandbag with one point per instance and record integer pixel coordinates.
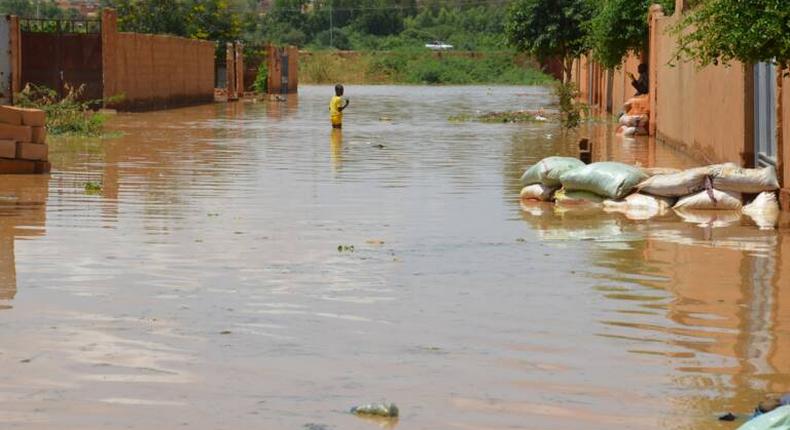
(639, 200)
(682, 183)
(711, 199)
(538, 192)
(743, 180)
(763, 210)
(653, 171)
(708, 218)
(639, 206)
(633, 120)
(630, 131)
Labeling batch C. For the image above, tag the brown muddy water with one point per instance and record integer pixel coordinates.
(203, 288)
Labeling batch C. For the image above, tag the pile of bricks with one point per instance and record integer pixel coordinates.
(23, 137)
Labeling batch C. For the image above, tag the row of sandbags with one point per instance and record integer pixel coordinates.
(621, 187)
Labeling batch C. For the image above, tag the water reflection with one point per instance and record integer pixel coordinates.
(23, 204)
(336, 148)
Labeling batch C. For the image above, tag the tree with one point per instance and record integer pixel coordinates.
(150, 16)
(620, 27)
(550, 29)
(213, 20)
(722, 31)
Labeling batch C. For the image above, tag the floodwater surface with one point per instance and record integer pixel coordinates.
(244, 266)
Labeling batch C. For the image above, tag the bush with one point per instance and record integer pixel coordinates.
(571, 110)
(261, 84)
(65, 115)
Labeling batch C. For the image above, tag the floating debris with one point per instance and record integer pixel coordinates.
(377, 410)
(345, 248)
(93, 187)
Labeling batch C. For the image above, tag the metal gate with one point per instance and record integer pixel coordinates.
(284, 71)
(62, 53)
(764, 114)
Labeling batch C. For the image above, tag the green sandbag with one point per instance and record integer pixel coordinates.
(548, 171)
(608, 179)
(777, 419)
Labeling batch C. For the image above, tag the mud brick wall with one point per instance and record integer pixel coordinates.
(23, 147)
(155, 71)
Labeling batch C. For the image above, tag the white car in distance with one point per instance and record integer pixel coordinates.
(438, 46)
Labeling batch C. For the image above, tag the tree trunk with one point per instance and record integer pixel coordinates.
(567, 70)
(780, 153)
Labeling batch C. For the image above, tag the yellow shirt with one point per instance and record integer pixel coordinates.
(334, 110)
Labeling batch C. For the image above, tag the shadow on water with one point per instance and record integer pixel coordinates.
(23, 214)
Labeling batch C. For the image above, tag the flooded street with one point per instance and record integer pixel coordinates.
(245, 267)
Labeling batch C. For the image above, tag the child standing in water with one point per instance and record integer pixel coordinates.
(336, 107)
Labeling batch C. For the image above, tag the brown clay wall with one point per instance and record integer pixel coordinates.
(703, 110)
(155, 71)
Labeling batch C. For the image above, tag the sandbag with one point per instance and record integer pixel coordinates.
(633, 120)
(638, 200)
(564, 197)
(711, 199)
(743, 180)
(607, 179)
(538, 192)
(681, 183)
(548, 171)
(777, 419)
(653, 171)
(632, 131)
(763, 210)
(639, 206)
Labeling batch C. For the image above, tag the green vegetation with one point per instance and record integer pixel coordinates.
(572, 111)
(726, 30)
(67, 114)
(550, 29)
(93, 188)
(620, 27)
(261, 83)
(507, 117)
(44, 9)
(418, 66)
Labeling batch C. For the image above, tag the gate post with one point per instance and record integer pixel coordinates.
(230, 71)
(15, 38)
(109, 50)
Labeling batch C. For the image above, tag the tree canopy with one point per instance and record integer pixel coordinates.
(720, 31)
(620, 27)
(550, 29)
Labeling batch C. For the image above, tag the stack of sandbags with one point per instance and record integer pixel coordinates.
(23, 147)
(636, 115)
(543, 179)
(716, 187)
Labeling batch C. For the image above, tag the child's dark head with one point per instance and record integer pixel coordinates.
(338, 90)
(642, 68)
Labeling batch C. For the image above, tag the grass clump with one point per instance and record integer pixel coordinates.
(67, 115)
(93, 188)
(420, 66)
(572, 111)
(507, 117)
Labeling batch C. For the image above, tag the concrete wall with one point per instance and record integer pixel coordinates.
(155, 71)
